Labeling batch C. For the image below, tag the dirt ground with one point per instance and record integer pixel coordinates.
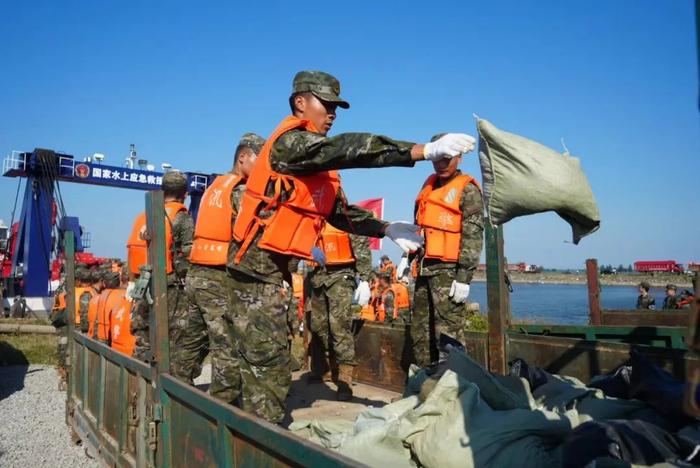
(621, 279)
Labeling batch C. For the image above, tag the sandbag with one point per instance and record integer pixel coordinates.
(633, 441)
(522, 177)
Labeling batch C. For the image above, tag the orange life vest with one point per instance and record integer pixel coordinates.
(79, 292)
(377, 304)
(414, 268)
(60, 302)
(400, 298)
(137, 248)
(686, 301)
(367, 312)
(298, 289)
(336, 245)
(99, 313)
(214, 228)
(438, 213)
(120, 327)
(391, 265)
(296, 221)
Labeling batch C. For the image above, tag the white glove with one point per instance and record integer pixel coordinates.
(318, 256)
(362, 294)
(129, 289)
(405, 235)
(403, 266)
(448, 146)
(459, 292)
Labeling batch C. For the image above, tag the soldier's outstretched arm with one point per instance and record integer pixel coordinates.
(472, 206)
(300, 152)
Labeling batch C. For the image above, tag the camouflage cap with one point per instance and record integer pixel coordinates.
(671, 286)
(96, 275)
(322, 85)
(82, 274)
(645, 285)
(385, 257)
(111, 279)
(174, 181)
(252, 141)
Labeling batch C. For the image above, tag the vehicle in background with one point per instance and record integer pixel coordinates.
(658, 266)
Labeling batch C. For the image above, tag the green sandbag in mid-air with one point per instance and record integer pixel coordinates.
(523, 177)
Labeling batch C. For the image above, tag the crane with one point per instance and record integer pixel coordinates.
(27, 256)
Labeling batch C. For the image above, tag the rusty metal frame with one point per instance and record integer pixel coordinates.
(145, 432)
(593, 283)
(498, 298)
(69, 252)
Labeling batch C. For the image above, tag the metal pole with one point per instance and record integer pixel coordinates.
(594, 316)
(158, 320)
(69, 255)
(498, 300)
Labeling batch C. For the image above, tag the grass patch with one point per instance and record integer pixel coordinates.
(28, 349)
(25, 321)
(478, 322)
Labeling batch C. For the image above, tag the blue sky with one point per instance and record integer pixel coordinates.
(617, 80)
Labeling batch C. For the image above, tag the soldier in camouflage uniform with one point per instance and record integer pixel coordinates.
(185, 332)
(332, 312)
(671, 300)
(58, 320)
(387, 300)
(645, 300)
(91, 279)
(208, 289)
(435, 308)
(258, 295)
(95, 278)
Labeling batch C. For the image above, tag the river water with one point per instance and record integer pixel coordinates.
(562, 303)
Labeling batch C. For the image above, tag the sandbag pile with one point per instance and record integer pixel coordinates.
(522, 177)
(471, 418)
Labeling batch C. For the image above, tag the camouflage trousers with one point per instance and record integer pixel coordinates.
(185, 331)
(209, 294)
(62, 346)
(435, 313)
(259, 315)
(331, 319)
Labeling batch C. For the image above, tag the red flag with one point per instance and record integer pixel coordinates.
(376, 206)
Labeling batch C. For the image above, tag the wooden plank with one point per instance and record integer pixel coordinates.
(593, 291)
(645, 318)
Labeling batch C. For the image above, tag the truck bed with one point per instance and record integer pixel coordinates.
(316, 401)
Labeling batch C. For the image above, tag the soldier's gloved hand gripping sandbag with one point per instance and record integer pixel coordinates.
(448, 146)
(402, 268)
(405, 235)
(459, 292)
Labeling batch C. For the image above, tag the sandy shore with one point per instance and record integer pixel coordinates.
(624, 279)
